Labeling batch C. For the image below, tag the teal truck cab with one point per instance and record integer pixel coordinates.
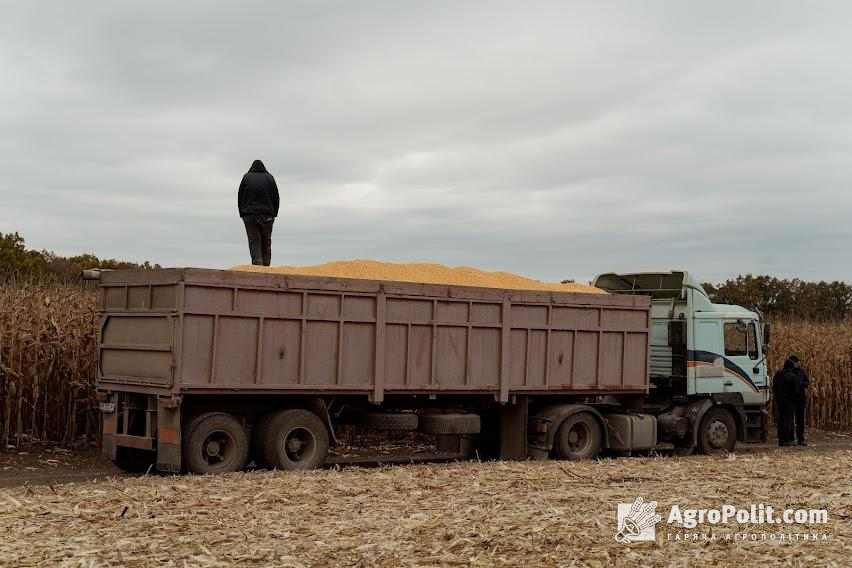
(709, 385)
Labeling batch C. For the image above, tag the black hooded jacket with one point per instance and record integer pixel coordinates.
(785, 386)
(258, 193)
(804, 382)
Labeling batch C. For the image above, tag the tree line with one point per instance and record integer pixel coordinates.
(781, 297)
(17, 261)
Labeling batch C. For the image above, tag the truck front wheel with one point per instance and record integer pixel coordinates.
(718, 432)
(578, 438)
(215, 443)
(293, 440)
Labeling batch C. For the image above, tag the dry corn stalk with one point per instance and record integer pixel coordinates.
(826, 353)
(47, 352)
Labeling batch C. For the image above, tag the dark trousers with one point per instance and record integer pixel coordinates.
(786, 411)
(259, 232)
(800, 419)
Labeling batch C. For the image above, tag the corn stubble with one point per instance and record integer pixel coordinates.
(48, 337)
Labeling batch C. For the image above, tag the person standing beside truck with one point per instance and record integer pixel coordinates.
(785, 389)
(801, 399)
(257, 201)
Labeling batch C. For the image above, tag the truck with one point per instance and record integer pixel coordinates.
(204, 371)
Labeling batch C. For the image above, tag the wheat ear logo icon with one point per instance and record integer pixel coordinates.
(641, 516)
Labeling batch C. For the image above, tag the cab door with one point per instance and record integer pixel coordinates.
(745, 371)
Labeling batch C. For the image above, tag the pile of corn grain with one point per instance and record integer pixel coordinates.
(422, 272)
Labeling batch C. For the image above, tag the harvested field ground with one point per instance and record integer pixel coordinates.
(499, 513)
(35, 465)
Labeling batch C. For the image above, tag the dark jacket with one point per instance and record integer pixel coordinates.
(803, 381)
(785, 386)
(258, 193)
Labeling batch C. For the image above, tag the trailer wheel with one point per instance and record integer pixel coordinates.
(718, 432)
(579, 437)
(450, 424)
(215, 443)
(294, 440)
(389, 421)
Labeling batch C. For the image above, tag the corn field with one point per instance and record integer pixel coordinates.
(48, 335)
(825, 350)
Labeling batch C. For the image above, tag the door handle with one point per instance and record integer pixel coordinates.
(728, 383)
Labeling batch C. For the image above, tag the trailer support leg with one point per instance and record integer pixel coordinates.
(513, 430)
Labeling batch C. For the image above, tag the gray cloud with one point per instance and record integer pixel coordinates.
(552, 139)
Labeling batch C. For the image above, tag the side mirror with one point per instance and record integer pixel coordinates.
(766, 335)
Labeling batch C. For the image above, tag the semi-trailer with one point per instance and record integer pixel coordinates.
(207, 370)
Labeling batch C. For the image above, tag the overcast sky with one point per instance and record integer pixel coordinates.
(556, 140)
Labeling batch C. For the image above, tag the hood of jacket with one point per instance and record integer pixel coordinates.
(257, 166)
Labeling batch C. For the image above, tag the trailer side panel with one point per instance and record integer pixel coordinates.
(256, 333)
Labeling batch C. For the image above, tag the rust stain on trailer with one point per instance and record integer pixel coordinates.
(168, 436)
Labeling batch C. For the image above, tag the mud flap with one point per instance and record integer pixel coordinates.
(109, 427)
(695, 411)
(168, 439)
(513, 430)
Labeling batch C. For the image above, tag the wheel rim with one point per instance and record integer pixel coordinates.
(218, 449)
(300, 444)
(717, 434)
(579, 437)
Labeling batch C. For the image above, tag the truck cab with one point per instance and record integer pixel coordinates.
(704, 357)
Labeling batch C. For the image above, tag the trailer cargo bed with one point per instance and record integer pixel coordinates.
(184, 331)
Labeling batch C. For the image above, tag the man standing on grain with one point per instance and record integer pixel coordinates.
(257, 201)
(801, 399)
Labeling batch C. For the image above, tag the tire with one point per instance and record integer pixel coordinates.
(389, 421)
(717, 433)
(132, 460)
(215, 443)
(579, 437)
(294, 440)
(450, 424)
